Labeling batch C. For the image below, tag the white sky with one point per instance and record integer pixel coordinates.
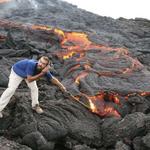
(116, 8)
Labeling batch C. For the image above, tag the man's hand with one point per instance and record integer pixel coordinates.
(46, 69)
(59, 84)
(63, 89)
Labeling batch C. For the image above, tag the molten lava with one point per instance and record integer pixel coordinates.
(100, 104)
(89, 57)
(76, 46)
(37, 27)
(80, 76)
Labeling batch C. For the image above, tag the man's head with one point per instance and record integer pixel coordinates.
(43, 62)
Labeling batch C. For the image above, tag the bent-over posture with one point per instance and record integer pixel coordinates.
(29, 70)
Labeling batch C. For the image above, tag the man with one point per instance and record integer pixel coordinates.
(30, 70)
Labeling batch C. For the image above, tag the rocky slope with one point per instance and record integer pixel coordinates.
(103, 62)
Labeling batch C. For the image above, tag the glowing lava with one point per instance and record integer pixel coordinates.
(38, 27)
(89, 57)
(100, 104)
(76, 46)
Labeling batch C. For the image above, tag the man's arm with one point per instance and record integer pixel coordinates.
(58, 83)
(36, 77)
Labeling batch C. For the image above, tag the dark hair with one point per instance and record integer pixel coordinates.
(47, 59)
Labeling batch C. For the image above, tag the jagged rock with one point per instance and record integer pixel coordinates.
(35, 140)
(82, 147)
(146, 141)
(128, 127)
(11, 145)
(121, 146)
(137, 143)
(58, 121)
(139, 104)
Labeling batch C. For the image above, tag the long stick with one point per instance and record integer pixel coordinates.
(74, 98)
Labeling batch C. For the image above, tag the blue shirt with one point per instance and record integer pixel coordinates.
(27, 67)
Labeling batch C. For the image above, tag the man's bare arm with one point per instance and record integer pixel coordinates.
(58, 83)
(36, 77)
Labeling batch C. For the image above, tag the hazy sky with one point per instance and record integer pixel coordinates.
(116, 8)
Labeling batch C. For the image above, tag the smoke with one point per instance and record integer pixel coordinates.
(29, 3)
(8, 6)
(34, 3)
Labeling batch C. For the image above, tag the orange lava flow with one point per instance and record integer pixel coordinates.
(38, 27)
(99, 106)
(80, 76)
(75, 47)
(77, 44)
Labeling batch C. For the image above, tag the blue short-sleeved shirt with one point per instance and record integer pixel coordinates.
(27, 67)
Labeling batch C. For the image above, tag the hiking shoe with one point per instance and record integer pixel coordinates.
(38, 109)
(1, 115)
